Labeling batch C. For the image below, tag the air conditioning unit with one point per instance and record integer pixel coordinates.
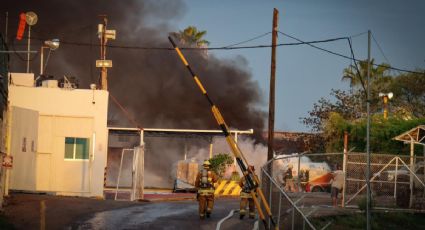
(50, 84)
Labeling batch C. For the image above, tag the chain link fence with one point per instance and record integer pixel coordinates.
(305, 203)
(391, 177)
(298, 202)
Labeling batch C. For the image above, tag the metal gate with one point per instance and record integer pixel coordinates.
(396, 181)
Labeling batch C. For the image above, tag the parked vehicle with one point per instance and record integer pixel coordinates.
(319, 179)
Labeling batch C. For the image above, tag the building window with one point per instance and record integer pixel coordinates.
(76, 148)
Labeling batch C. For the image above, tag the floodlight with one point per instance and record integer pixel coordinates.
(52, 44)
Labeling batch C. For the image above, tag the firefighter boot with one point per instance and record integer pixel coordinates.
(242, 214)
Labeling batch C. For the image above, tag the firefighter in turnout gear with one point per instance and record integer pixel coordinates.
(205, 184)
(246, 198)
(289, 179)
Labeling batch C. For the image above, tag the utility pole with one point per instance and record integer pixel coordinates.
(103, 64)
(104, 71)
(368, 201)
(272, 86)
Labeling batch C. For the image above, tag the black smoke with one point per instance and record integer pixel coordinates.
(152, 84)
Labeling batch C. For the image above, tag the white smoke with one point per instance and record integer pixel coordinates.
(255, 154)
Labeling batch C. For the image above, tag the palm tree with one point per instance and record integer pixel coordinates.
(192, 36)
(357, 75)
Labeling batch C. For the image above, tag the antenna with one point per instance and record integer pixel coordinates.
(31, 18)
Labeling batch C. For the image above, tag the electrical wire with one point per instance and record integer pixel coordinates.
(230, 47)
(12, 44)
(355, 65)
(382, 51)
(126, 113)
(249, 40)
(359, 34)
(351, 58)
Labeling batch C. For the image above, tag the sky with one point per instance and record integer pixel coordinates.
(305, 74)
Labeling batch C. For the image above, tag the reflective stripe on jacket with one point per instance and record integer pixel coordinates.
(245, 195)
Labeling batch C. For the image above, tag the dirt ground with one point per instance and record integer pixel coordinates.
(23, 211)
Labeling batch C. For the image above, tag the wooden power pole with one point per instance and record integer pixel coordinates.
(104, 34)
(272, 86)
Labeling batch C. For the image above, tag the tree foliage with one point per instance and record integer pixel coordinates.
(382, 133)
(357, 74)
(408, 101)
(346, 104)
(192, 36)
(346, 110)
(220, 162)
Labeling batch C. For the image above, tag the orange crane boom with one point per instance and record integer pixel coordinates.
(250, 177)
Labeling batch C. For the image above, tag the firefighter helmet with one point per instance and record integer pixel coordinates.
(206, 163)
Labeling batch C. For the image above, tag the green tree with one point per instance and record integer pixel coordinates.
(191, 36)
(346, 104)
(382, 132)
(409, 94)
(357, 75)
(220, 162)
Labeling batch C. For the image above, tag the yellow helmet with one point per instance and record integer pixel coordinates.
(207, 163)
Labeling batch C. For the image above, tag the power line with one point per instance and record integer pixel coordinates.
(355, 65)
(249, 40)
(347, 57)
(316, 47)
(382, 51)
(359, 34)
(201, 48)
(230, 47)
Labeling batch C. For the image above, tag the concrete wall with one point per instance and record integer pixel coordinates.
(67, 113)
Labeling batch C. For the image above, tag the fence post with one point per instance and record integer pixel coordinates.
(293, 217)
(298, 173)
(395, 179)
(278, 211)
(270, 199)
(412, 170)
(344, 168)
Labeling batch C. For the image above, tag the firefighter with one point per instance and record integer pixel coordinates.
(289, 179)
(205, 184)
(246, 198)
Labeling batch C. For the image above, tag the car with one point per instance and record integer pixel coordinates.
(320, 184)
(316, 177)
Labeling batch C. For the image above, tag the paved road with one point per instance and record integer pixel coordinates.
(167, 215)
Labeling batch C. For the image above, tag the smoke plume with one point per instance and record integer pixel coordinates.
(153, 85)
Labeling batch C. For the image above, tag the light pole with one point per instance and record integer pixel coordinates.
(31, 19)
(386, 97)
(49, 44)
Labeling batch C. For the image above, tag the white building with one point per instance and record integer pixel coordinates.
(58, 138)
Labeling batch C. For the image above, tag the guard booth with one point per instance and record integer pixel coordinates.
(125, 164)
